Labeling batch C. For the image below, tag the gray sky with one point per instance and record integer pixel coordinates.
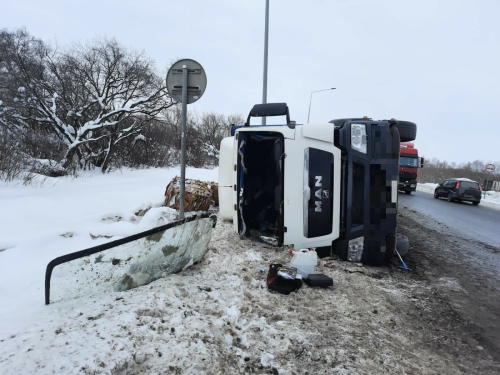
(434, 62)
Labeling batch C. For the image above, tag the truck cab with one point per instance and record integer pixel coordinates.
(409, 162)
(331, 186)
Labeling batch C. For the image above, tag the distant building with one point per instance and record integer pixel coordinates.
(492, 185)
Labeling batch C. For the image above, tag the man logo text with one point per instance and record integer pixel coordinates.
(317, 193)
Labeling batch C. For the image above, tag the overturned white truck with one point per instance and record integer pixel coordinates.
(332, 186)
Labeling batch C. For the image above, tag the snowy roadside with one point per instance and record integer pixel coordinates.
(62, 215)
(492, 198)
(219, 317)
(214, 317)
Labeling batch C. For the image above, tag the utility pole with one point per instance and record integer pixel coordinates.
(266, 38)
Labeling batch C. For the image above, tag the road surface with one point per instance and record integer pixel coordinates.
(477, 223)
(455, 248)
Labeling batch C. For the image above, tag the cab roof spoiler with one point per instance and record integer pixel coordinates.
(269, 110)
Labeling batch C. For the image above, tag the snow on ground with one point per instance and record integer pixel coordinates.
(214, 317)
(492, 198)
(62, 215)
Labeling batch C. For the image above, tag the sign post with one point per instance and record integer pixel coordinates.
(186, 83)
(489, 169)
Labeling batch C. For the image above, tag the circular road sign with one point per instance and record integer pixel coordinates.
(489, 168)
(197, 80)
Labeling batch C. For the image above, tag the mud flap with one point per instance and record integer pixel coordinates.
(131, 261)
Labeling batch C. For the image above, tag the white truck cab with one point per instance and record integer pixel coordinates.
(331, 186)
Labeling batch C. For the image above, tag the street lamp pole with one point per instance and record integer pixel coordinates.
(310, 100)
(266, 37)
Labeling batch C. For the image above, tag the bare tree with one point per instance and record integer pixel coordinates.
(117, 86)
(212, 127)
(436, 171)
(21, 56)
(92, 97)
(97, 105)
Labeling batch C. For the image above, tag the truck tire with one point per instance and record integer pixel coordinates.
(402, 244)
(407, 131)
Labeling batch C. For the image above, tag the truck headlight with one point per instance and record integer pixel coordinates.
(355, 249)
(358, 137)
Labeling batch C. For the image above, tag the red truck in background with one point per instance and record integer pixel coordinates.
(409, 162)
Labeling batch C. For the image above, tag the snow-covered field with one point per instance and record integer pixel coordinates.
(57, 216)
(214, 317)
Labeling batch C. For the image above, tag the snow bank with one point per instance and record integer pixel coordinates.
(62, 215)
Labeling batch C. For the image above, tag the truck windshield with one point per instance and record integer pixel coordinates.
(406, 161)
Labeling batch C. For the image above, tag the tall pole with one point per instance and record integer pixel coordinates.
(310, 100)
(183, 139)
(266, 38)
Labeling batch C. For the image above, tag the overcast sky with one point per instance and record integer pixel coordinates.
(434, 62)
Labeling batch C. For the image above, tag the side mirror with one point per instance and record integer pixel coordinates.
(422, 162)
(440, 184)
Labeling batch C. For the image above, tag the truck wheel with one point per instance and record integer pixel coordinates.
(407, 131)
(448, 197)
(390, 246)
(402, 244)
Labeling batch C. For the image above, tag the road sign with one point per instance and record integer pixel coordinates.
(186, 83)
(490, 168)
(197, 80)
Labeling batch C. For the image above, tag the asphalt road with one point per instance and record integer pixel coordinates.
(477, 223)
(455, 248)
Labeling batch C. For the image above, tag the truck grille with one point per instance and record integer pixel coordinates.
(407, 175)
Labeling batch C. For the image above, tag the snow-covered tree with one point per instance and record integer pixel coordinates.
(92, 97)
(212, 127)
(20, 56)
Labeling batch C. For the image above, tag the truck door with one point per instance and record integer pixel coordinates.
(369, 190)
